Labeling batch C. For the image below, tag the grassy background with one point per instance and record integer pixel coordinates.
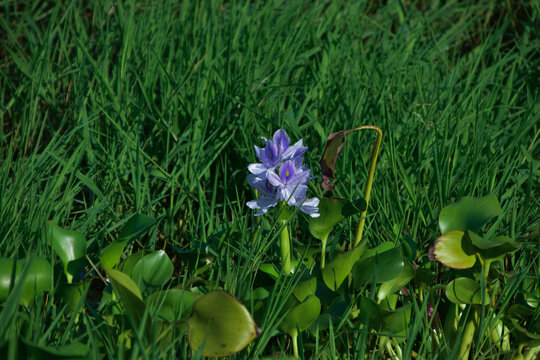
(111, 108)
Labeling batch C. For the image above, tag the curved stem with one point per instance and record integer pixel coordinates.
(369, 184)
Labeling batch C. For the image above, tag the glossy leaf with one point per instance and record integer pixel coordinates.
(305, 288)
(135, 226)
(127, 265)
(112, 253)
(337, 271)
(153, 270)
(221, 324)
(270, 269)
(129, 294)
(493, 248)
(301, 316)
(172, 304)
(466, 291)
(451, 250)
(70, 246)
(332, 211)
(385, 321)
(37, 281)
(378, 268)
(531, 292)
(469, 213)
(392, 286)
(38, 278)
(6, 270)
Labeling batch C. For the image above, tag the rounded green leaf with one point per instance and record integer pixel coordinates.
(305, 289)
(337, 271)
(531, 292)
(378, 268)
(301, 316)
(70, 246)
(392, 286)
(38, 278)
(112, 253)
(221, 324)
(135, 226)
(469, 213)
(6, 270)
(153, 270)
(385, 321)
(494, 248)
(449, 250)
(332, 211)
(466, 291)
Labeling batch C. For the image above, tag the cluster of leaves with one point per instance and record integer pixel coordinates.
(373, 289)
(214, 322)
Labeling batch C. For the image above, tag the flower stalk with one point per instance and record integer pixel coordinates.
(369, 184)
(284, 239)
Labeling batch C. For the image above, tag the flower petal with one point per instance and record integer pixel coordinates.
(291, 150)
(281, 140)
(257, 168)
(260, 153)
(299, 194)
(301, 176)
(311, 207)
(274, 178)
(271, 153)
(263, 203)
(286, 171)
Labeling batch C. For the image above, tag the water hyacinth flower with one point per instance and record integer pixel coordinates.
(275, 152)
(289, 183)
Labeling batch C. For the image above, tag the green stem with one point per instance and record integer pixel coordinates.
(285, 244)
(467, 339)
(323, 251)
(284, 237)
(294, 338)
(532, 353)
(369, 181)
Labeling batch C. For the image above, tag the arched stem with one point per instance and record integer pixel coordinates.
(369, 184)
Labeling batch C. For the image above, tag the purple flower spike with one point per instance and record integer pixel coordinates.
(289, 183)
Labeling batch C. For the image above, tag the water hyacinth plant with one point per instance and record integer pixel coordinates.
(281, 177)
(127, 158)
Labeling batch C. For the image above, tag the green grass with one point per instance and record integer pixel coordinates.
(112, 108)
